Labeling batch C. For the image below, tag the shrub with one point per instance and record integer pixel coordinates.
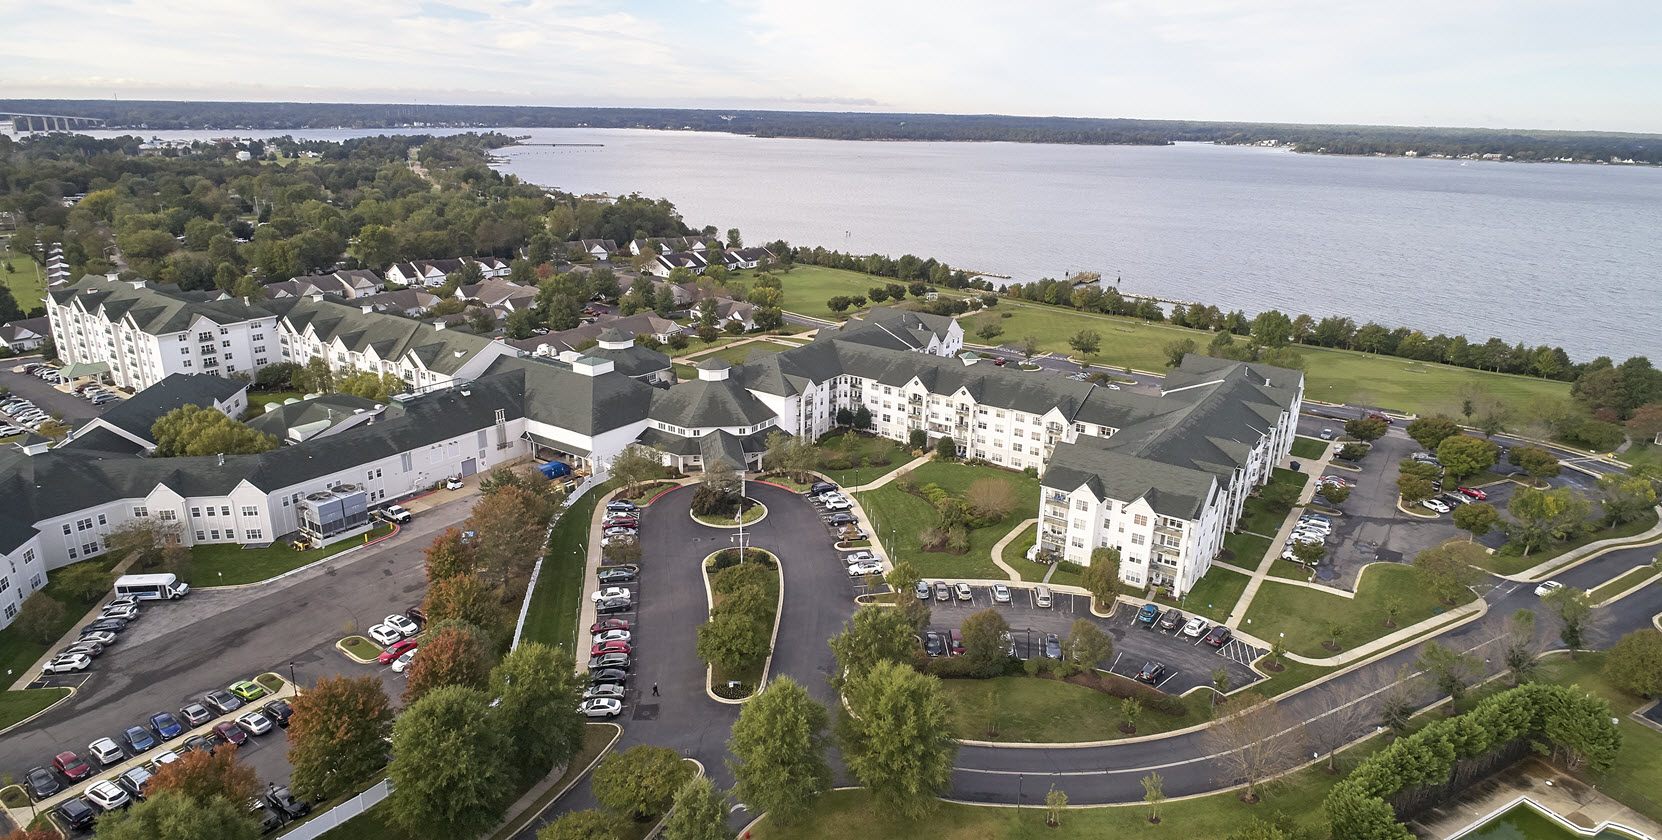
(1070, 567)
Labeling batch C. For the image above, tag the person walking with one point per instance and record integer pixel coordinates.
(654, 689)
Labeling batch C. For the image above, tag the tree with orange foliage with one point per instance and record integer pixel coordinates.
(451, 653)
(335, 735)
(201, 775)
(448, 556)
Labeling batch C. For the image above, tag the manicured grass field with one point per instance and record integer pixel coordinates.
(27, 283)
(900, 516)
(229, 564)
(808, 287)
(1037, 709)
(1256, 515)
(1303, 614)
(1125, 342)
(1306, 447)
(863, 447)
(1249, 549)
(1015, 555)
(683, 372)
(18, 705)
(1215, 594)
(736, 355)
(1649, 455)
(552, 618)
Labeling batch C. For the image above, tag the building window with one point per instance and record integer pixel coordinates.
(169, 515)
(214, 533)
(254, 534)
(250, 510)
(10, 612)
(36, 582)
(102, 520)
(83, 524)
(66, 529)
(141, 512)
(1136, 539)
(210, 510)
(72, 554)
(225, 510)
(1139, 520)
(89, 549)
(201, 535)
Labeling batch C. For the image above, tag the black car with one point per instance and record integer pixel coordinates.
(1219, 636)
(279, 711)
(42, 784)
(269, 820)
(821, 487)
(283, 802)
(112, 625)
(417, 615)
(840, 519)
(613, 605)
(198, 743)
(77, 813)
(1151, 672)
(608, 676)
(933, 644)
(1172, 620)
(619, 574)
(222, 701)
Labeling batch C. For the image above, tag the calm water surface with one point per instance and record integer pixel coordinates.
(1555, 254)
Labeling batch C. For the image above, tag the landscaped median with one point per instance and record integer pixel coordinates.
(1045, 709)
(558, 590)
(745, 592)
(359, 649)
(752, 512)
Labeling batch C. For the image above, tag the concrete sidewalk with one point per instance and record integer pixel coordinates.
(1313, 470)
(1458, 615)
(998, 549)
(887, 477)
(1589, 551)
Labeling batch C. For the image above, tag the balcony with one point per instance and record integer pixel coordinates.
(1168, 530)
(1055, 496)
(915, 400)
(1058, 514)
(963, 409)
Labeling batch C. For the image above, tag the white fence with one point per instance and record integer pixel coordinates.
(587, 484)
(333, 817)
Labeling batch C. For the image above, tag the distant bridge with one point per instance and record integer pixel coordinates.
(32, 123)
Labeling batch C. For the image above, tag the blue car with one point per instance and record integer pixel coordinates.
(166, 725)
(138, 738)
(1148, 615)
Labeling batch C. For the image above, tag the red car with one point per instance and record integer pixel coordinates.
(1474, 493)
(1377, 416)
(608, 624)
(230, 733)
(620, 520)
(396, 651)
(609, 647)
(71, 766)
(1001, 362)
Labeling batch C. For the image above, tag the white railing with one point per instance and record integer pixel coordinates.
(332, 818)
(584, 486)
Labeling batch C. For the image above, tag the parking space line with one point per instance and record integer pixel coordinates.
(1168, 679)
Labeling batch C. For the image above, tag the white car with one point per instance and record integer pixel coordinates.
(67, 664)
(126, 611)
(396, 513)
(164, 757)
(107, 795)
(452, 483)
(611, 636)
(1313, 528)
(403, 662)
(402, 625)
(601, 707)
(106, 751)
(254, 723)
(608, 690)
(1437, 505)
(609, 593)
(865, 567)
(838, 503)
(853, 557)
(1548, 588)
(1001, 593)
(385, 636)
(1196, 627)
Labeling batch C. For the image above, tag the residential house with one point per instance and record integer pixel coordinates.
(436, 272)
(690, 260)
(499, 294)
(641, 323)
(741, 258)
(25, 334)
(600, 249)
(410, 303)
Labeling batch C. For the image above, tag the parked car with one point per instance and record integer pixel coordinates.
(1547, 588)
(254, 723)
(838, 503)
(269, 820)
(955, 641)
(166, 725)
(230, 733)
(609, 592)
(398, 649)
(865, 567)
(1474, 493)
(1149, 614)
(77, 813)
(125, 612)
(1437, 505)
(853, 557)
(1001, 593)
(1172, 620)
(1195, 627)
(605, 690)
(1041, 597)
(922, 590)
(601, 707)
(1327, 434)
(837, 520)
(417, 615)
(608, 624)
(603, 648)
(1374, 415)
(402, 624)
(384, 636)
(934, 644)
(1053, 646)
(396, 513)
(608, 676)
(134, 780)
(619, 574)
(222, 701)
(106, 625)
(41, 784)
(198, 743)
(106, 752)
(91, 649)
(279, 711)
(71, 766)
(942, 592)
(620, 505)
(619, 531)
(284, 802)
(247, 690)
(962, 589)
(1219, 636)
(613, 605)
(138, 739)
(403, 662)
(1151, 672)
(195, 714)
(453, 483)
(611, 636)
(820, 488)
(609, 660)
(107, 795)
(628, 519)
(67, 664)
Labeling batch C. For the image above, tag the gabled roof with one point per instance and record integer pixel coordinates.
(587, 405)
(702, 404)
(137, 414)
(633, 360)
(1173, 491)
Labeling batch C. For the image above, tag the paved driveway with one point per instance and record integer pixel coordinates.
(75, 410)
(179, 650)
(1189, 662)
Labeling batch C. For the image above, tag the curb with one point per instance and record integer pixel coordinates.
(298, 569)
(751, 524)
(773, 641)
(341, 646)
(616, 735)
(1636, 541)
(73, 690)
(1655, 574)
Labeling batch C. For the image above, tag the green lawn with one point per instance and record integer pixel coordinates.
(552, 618)
(1215, 594)
(1643, 454)
(1015, 555)
(1040, 709)
(899, 516)
(258, 399)
(19, 652)
(1302, 614)
(27, 283)
(831, 455)
(737, 355)
(596, 737)
(1623, 583)
(229, 564)
(1504, 563)
(683, 372)
(17, 705)
(360, 647)
(1256, 514)
(751, 674)
(1331, 375)
(1311, 448)
(808, 287)
(751, 514)
(1248, 550)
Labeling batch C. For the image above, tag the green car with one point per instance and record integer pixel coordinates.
(248, 690)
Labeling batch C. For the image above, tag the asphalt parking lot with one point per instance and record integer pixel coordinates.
(1189, 662)
(178, 650)
(75, 410)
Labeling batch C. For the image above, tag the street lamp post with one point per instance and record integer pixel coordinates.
(291, 677)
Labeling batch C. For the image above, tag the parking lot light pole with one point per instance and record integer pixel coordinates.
(291, 677)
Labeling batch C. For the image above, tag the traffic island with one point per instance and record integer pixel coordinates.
(746, 594)
(359, 649)
(752, 513)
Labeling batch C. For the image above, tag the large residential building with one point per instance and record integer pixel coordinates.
(1160, 477)
(142, 333)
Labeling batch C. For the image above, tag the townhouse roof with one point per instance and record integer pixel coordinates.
(633, 360)
(389, 336)
(138, 413)
(1170, 490)
(702, 403)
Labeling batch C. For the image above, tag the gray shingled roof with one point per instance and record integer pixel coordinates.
(700, 404)
(633, 360)
(1173, 491)
(137, 414)
(588, 405)
(326, 408)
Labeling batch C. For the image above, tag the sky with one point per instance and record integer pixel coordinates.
(1590, 65)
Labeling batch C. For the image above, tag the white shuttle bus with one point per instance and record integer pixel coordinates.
(151, 587)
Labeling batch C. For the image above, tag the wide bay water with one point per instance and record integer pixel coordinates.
(1567, 255)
